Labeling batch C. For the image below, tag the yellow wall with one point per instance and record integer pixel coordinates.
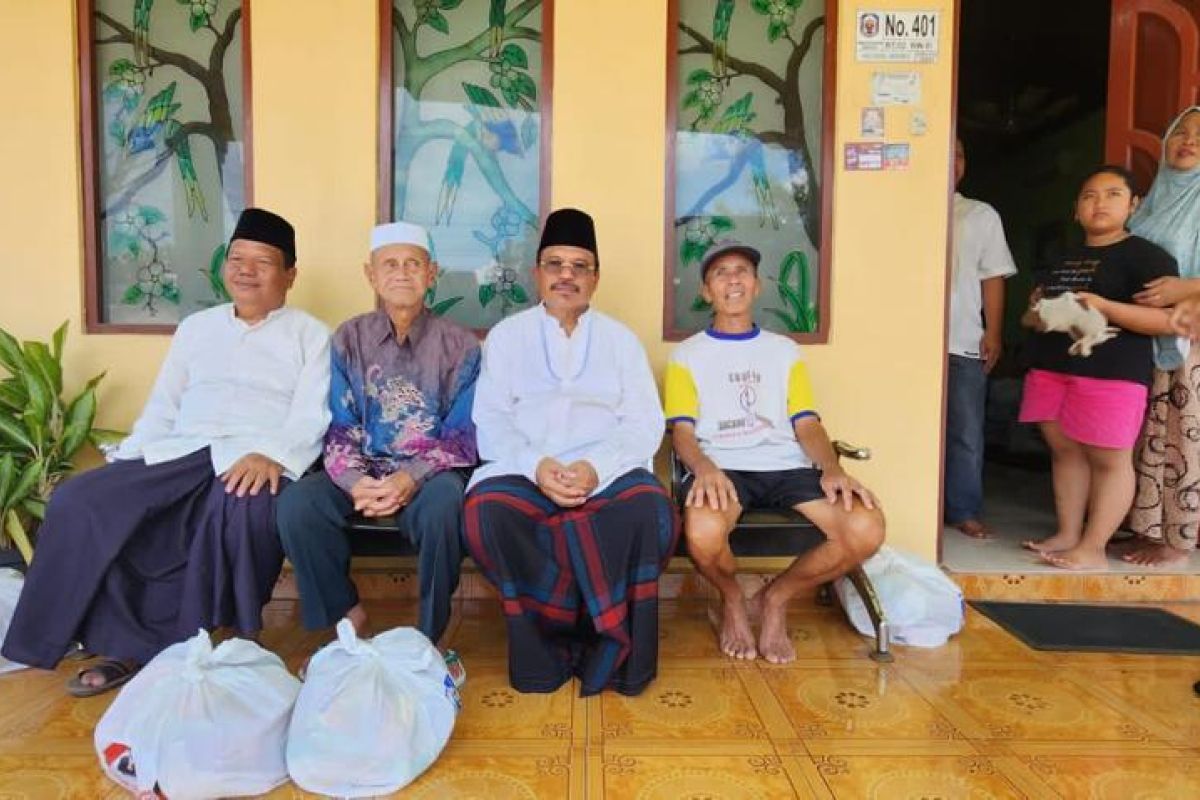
(314, 65)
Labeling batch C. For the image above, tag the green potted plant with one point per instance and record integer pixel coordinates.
(40, 433)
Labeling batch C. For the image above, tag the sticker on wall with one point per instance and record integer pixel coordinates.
(871, 125)
(918, 124)
(895, 88)
(863, 156)
(895, 155)
(897, 36)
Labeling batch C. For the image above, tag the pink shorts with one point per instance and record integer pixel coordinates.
(1094, 411)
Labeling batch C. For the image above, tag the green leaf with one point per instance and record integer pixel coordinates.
(120, 67)
(16, 532)
(124, 243)
(721, 224)
(14, 433)
(526, 86)
(34, 508)
(449, 5)
(12, 394)
(438, 21)
(10, 353)
(691, 252)
(8, 471)
(104, 436)
(529, 133)
(171, 293)
(690, 100)
(761, 6)
(511, 96)
(699, 76)
(36, 428)
(480, 96)
(514, 55)
(25, 484)
(775, 30)
(788, 295)
(57, 341)
(700, 304)
(149, 215)
(518, 294)
(442, 307)
(40, 398)
(133, 295)
(47, 366)
(487, 292)
(80, 415)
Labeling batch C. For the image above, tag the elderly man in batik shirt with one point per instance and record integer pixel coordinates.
(403, 382)
(564, 518)
(178, 533)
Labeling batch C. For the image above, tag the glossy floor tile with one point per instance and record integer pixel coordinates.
(982, 717)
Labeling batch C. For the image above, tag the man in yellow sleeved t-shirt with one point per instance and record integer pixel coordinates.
(744, 423)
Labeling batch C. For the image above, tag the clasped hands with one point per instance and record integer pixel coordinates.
(568, 485)
(382, 497)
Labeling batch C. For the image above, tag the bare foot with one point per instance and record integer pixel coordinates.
(973, 528)
(1078, 558)
(1151, 554)
(735, 637)
(773, 641)
(1058, 543)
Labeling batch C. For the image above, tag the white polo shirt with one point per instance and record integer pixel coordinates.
(980, 252)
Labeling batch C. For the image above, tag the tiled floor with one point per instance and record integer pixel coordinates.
(983, 717)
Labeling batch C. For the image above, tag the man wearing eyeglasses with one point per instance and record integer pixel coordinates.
(564, 518)
(401, 392)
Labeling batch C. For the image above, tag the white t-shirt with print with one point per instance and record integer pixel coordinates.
(980, 252)
(743, 392)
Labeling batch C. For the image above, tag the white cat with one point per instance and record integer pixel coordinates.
(1067, 313)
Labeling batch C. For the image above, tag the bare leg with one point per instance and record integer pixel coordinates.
(1072, 482)
(1112, 488)
(707, 532)
(851, 537)
(358, 618)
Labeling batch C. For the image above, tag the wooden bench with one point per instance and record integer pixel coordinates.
(759, 533)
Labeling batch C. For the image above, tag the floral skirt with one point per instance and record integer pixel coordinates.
(1167, 459)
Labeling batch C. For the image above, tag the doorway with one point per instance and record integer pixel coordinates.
(1032, 92)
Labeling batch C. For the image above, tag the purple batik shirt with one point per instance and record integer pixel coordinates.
(400, 405)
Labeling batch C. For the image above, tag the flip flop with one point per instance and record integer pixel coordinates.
(115, 673)
(77, 652)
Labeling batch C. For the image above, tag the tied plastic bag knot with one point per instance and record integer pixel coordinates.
(199, 651)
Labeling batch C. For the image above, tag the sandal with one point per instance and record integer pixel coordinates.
(114, 672)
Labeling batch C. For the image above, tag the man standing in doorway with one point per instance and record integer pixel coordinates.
(981, 263)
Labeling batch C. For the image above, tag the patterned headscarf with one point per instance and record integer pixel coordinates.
(1169, 216)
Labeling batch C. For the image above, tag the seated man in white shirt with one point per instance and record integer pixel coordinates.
(178, 533)
(563, 518)
(744, 423)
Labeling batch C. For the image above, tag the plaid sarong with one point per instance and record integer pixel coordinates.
(579, 586)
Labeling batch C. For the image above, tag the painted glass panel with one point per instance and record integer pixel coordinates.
(748, 77)
(169, 152)
(467, 156)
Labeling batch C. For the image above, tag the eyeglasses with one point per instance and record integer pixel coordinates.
(577, 269)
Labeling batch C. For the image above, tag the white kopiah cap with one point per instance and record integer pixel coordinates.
(400, 233)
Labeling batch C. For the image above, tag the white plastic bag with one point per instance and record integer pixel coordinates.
(11, 581)
(923, 607)
(372, 716)
(201, 722)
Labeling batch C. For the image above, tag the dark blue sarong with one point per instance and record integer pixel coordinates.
(579, 586)
(133, 558)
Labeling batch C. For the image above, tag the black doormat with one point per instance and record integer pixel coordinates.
(1099, 628)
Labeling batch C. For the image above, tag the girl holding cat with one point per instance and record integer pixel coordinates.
(1090, 408)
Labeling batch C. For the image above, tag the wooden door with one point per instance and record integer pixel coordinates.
(1153, 72)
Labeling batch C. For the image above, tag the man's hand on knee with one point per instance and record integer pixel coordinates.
(711, 487)
(837, 483)
(250, 473)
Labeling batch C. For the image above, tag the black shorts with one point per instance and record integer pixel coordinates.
(772, 489)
